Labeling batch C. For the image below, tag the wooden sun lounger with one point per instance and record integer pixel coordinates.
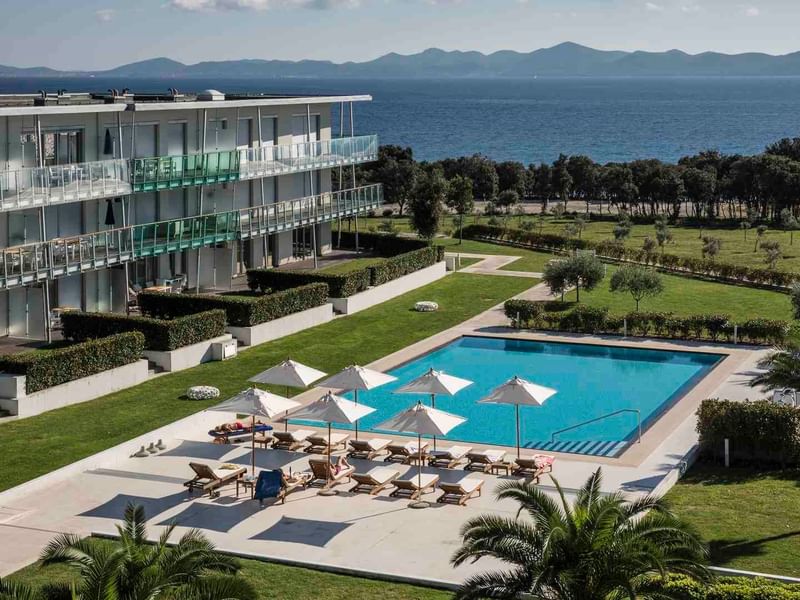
(534, 467)
(411, 487)
(321, 475)
(368, 449)
(376, 480)
(211, 480)
(449, 458)
(405, 453)
(264, 439)
(460, 492)
(487, 461)
(291, 440)
(319, 443)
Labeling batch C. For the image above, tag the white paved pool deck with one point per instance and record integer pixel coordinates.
(359, 532)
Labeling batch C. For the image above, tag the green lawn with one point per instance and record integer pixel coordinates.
(46, 442)
(751, 520)
(277, 582)
(685, 296)
(529, 260)
(352, 264)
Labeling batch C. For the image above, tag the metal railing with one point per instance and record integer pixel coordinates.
(55, 258)
(602, 417)
(44, 186)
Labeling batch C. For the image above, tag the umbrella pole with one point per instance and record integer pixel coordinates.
(517, 407)
(419, 502)
(253, 448)
(286, 419)
(355, 392)
(327, 491)
(433, 405)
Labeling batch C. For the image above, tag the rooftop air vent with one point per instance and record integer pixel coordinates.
(207, 95)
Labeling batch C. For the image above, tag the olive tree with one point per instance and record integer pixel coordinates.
(427, 203)
(640, 282)
(460, 199)
(772, 250)
(556, 277)
(580, 271)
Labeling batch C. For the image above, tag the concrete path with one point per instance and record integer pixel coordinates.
(492, 264)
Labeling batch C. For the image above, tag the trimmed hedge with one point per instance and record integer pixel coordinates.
(587, 319)
(241, 310)
(160, 334)
(617, 251)
(730, 588)
(47, 368)
(381, 243)
(402, 264)
(339, 285)
(758, 431)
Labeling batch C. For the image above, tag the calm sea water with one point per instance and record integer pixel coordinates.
(590, 382)
(535, 120)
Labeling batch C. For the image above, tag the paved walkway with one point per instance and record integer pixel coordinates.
(492, 264)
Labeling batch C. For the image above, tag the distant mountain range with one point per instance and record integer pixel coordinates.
(564, 60)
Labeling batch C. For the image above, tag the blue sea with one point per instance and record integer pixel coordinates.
(532, 120)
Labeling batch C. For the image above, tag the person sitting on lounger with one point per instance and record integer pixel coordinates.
(341, 465)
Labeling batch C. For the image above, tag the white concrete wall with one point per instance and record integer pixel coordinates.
(272, 330)
(389, 290)
(73, 392)
(186, 357)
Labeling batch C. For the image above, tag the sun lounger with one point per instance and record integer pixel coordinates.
(275, 484)
(211, 480)
(227, 437)
(368, 449)
(322, 475)
(264, 439)
(533, 467)
(405, 453)
(412, 487)
(449, 458)
(486, 460)
(460, 492)
(376, 480)
(291, 440)
(319, 443)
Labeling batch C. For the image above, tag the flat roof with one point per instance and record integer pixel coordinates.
(87, 102)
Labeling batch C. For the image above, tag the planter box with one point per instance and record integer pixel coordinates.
(72, 392)
(389, 290)
(272, 330)
(186, 357)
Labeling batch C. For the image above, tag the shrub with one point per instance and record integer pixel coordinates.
(758, 431)
(585, 319)
(523, 313)
(729, 588)
(160, 334)
(341, 285)
(764, 330)
(241, 310)
(402, 264)
(47, 368)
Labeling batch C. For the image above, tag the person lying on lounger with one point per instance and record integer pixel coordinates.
(340, 465)
(235, 426)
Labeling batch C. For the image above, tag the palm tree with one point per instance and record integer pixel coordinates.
(600, 547)
(11, 590)
(782, 369)
(134, 569)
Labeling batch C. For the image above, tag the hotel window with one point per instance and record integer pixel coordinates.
(62, 147)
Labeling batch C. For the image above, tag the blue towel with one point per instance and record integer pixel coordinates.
(268, 485)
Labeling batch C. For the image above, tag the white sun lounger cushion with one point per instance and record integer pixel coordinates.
(378, 443)
(452, 452)
(470, 484)
(428, 479)
(336, 438)
(300, 435)
(382, 474)
(494, 455)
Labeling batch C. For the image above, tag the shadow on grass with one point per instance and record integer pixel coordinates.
(726, 551)
(710, 473)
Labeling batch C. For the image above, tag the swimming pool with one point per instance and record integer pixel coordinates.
(590, 380)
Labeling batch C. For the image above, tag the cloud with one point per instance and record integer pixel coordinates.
(232, 5)
(105, 15)
(751, 11)
(652, 7)
(690, 8)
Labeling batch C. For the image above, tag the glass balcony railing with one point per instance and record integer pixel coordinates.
(41, 186)
(55, 258)
(35, 187)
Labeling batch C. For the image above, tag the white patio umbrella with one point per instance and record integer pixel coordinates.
(518, 391)
(422, 420)
(357, 378)
(289, 373)
(256, 403)
(434, 383)
(332, 409)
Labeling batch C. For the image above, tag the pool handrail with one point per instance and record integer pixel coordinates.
(600, 418)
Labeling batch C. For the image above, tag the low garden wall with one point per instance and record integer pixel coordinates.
(586, 319)
(616, 251)
(186, 357)
(283, 326)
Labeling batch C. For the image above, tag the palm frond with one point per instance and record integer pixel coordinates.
(14, 590)
(497, 585)
(218, 587)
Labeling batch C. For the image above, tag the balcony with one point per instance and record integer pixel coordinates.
(39, 261)
(46, 186)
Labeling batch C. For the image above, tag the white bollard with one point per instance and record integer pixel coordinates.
(624, 327)
(735, 334)
(727, 452)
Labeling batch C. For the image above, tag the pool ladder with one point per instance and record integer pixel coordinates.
(600, 418)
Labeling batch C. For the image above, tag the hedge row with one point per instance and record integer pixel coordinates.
(587, 319)
(759, 431)
(47, 368)
(618, 251)
(380, 243)
(339, 285)
(241, 310)
(729, 588)
(159, 334)
(402, 264)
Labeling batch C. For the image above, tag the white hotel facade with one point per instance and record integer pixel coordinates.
(104, 194)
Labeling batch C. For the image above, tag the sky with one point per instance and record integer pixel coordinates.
(100, 34)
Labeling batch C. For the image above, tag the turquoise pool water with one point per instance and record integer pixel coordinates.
(590, 380)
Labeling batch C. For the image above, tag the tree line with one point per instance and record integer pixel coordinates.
(707, 185)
